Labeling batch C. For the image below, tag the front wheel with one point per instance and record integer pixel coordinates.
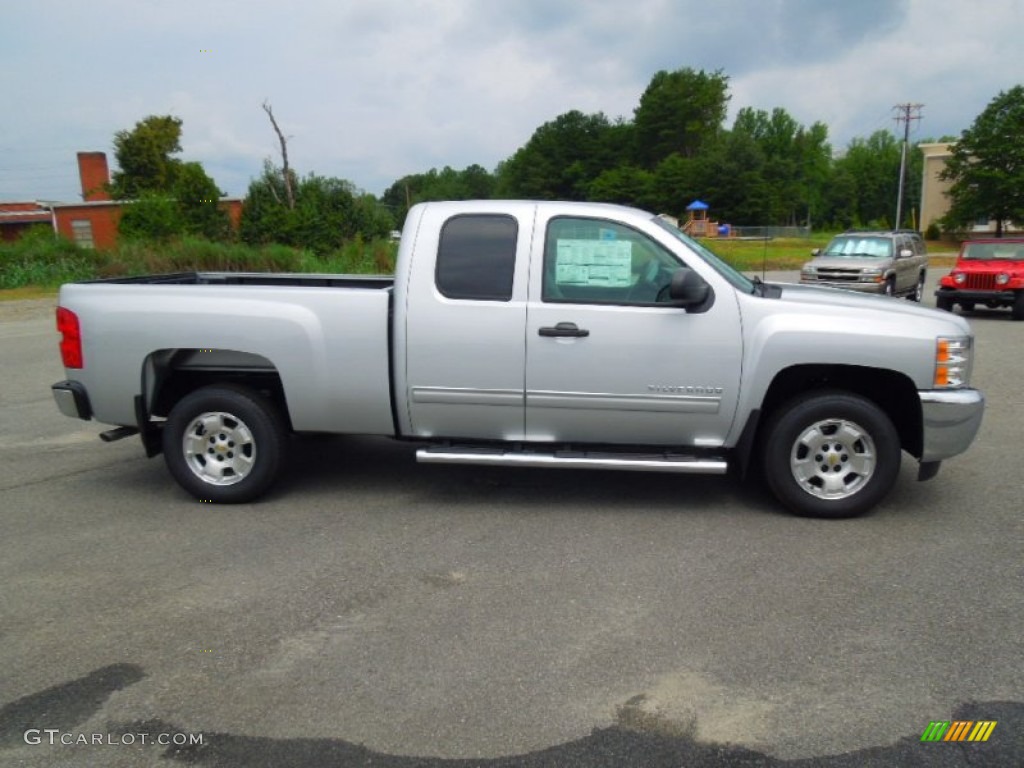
(1017, 313)
(224, 444)
(831, 454)
(890, 287)
(944, 303)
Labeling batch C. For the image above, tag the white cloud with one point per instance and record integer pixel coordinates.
(373, 91)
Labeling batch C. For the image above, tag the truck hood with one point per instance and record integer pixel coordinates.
(861, 304)
(973, 266)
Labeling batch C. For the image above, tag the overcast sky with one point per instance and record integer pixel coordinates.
(371, 90)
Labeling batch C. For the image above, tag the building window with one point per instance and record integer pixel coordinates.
(81, 232)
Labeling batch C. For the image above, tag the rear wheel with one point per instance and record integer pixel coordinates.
(831, 454)
(224, 444)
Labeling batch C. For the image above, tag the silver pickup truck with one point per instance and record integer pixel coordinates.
(531, 334)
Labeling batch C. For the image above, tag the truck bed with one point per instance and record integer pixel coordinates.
(326, 336)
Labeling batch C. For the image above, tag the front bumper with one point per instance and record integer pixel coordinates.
(980, 297)
(951, 419)
(72, 399)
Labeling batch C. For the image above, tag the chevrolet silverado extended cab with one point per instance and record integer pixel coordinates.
(537, 334)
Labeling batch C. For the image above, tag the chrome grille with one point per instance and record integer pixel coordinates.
(838, 275)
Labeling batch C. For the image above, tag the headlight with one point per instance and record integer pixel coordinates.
(1002, 279)
(952, 362)
(809, 271)
(959, 278)
(871, 275)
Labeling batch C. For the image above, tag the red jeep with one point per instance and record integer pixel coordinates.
(989, 272)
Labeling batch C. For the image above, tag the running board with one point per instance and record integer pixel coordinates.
(636, 462)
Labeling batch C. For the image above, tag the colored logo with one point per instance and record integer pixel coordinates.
(958, 730)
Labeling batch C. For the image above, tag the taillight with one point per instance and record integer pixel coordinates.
(71, 338)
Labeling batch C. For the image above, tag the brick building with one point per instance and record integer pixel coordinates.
(92, 223)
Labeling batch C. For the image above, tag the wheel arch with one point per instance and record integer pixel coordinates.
(892, 391)
(172, 374)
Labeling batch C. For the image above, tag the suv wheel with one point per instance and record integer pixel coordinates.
(890, 287)
(918, 293)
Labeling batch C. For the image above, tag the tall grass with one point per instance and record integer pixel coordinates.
(38, 259)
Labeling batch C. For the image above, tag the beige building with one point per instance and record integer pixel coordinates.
(934, 192)
(934, 203)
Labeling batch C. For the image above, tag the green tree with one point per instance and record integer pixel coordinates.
(197, 197)
(987, 165)
(872, 167)
(171, 197)
(328, 212)
(144, 157)
(625, 184)
(472, 183)
(679, 112)
(151, 216)
(563, 157)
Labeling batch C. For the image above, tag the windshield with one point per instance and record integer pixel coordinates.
(864, 247)
(1008, 251)
(740, 281)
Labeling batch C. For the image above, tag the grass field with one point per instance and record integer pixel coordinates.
(36, 265)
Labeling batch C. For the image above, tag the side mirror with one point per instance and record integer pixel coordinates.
(688, 289)
(906, 253)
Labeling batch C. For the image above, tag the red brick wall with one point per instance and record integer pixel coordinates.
(234, 209)
(94, 174)
(104, 219)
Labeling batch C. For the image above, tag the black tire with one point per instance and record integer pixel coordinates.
(817, 472)
(1017, 313)
(967, 306)
(890, 287)
(918, 293)
(944, 303)
(225, 444)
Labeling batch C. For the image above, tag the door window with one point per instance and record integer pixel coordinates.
(592, 261)
(476, 257)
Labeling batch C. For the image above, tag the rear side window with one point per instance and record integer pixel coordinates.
(476, 257)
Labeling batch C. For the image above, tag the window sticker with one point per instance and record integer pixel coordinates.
(593, 262)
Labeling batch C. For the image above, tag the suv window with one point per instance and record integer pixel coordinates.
(476, 257)
(596, 261)
(860, 245)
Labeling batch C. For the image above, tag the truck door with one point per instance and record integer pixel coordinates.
(607, 360)
(464, 323)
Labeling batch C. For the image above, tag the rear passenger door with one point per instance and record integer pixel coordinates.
(464, 325)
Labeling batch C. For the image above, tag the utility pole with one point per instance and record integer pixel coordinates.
(905, 114)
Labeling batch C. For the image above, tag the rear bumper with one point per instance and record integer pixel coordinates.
(72, 399)
(951, 421)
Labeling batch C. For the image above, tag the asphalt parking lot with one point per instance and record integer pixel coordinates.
(373, 611)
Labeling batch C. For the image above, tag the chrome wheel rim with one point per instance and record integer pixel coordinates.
(219, 448)
(833, 459)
